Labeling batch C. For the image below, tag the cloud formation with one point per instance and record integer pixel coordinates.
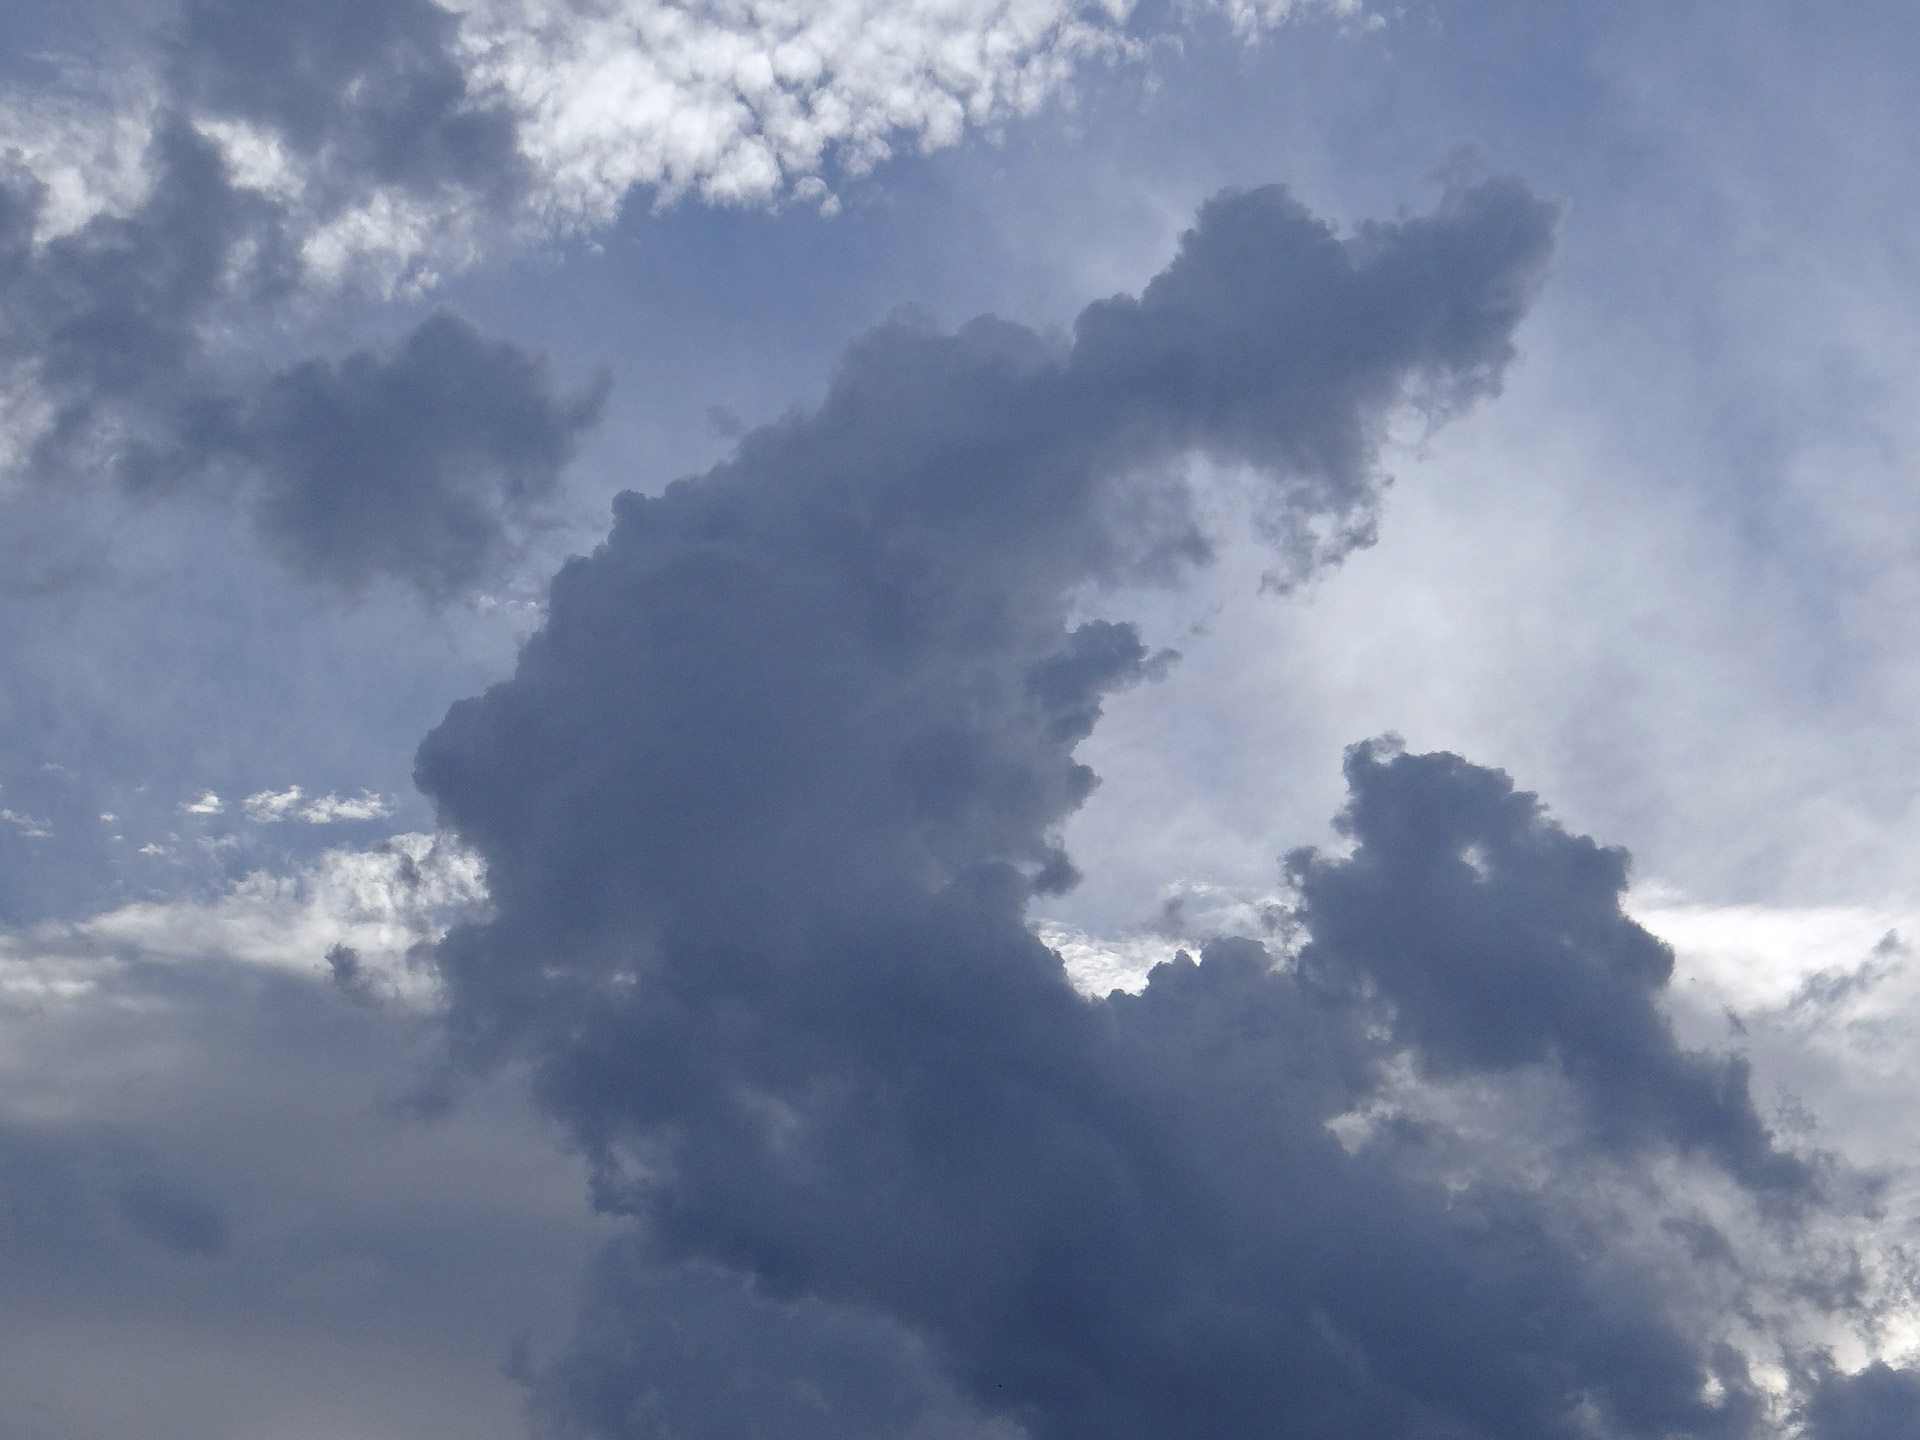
(421, 464)
(763, 806)
(269, 150)
(1494, 941)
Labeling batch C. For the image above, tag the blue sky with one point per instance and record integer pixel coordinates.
(385, 1054)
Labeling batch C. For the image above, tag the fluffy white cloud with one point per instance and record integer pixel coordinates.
(738, 99)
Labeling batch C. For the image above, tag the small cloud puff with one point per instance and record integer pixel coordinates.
(208, 804)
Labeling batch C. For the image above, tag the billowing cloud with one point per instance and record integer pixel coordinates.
(766, 799)
(1496, 941)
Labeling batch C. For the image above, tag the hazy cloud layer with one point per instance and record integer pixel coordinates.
(226, 1215)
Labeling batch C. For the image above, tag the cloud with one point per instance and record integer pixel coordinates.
(28, 826)
(1877, 1403)
(765, 802)
(367, 93)
(328, 808)
(269, 807)
(226, 1212)
(208, 804)
(68, 1190)
(1497, 941)
(694, 1351)
(422, 463)
(382, 904)
(271, 151)
(862, 616)
(740, 102)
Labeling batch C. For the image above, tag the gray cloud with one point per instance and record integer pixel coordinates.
(693, 1351)
(421, 464)
(1497, 941)
(367, 93)
(1877, 1403)
(71, 1189)
(416, 464)
(104, 322)
(764, 804)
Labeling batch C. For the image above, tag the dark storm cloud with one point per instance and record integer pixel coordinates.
(762, 809)
(1497, 941)
(764, 804)
(693, 1352)
(840, 666)
(1270, 340)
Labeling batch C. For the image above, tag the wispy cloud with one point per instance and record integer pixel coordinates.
(380, 903)
(28, 826)
(269, 807)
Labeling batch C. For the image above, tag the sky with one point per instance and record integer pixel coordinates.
(959, 720)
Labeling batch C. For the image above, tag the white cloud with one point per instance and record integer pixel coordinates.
(28, 826)
(1758, 957)
(269, 806)
(1192, 912)
(328, 808)
(208, 804)
(380, 903)
(85, 141)
(737, 99)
